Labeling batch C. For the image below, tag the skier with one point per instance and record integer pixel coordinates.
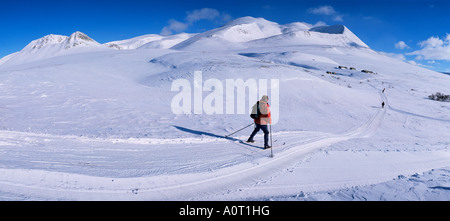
(382, 105)
(263, 119)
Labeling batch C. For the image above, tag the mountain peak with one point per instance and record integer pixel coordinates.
(76, 39)
(81, 36)
(51, 45)
(46, 40)
(79, 39)
(232, 34)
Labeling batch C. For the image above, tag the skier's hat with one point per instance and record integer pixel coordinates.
(265, 98)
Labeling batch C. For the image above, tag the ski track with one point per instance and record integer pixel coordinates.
(41, 184)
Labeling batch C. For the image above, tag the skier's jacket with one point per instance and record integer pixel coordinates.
(265, 117)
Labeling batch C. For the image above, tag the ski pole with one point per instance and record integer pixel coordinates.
(238, 130)
(271, 145)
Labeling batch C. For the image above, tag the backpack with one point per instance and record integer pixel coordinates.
(255, 111)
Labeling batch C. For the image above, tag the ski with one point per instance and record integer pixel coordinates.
(255, 143)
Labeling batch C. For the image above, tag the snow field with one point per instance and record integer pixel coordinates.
(95, 123)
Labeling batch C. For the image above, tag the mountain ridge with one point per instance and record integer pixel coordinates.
(240, 33)
(50, 46)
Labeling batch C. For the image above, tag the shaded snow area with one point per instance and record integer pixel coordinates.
(80, 120)
(430, 185)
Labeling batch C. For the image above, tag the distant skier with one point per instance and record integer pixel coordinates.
(382, 105)
(383, 90)
(262, 117)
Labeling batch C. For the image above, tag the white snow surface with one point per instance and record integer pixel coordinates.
(82, 121)
(149, 41)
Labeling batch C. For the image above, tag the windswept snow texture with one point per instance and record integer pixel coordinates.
(80, 120)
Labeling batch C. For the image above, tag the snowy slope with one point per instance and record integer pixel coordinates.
(336, 35)
(133, 43)
(167, 41)
(7, 57)
(92, 123)
(149, 41)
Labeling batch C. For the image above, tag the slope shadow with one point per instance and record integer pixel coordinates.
(417, 115)
(197, 132)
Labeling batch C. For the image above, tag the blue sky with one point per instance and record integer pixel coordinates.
(415, 31)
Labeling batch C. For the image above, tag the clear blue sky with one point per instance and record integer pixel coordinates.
(413, 30)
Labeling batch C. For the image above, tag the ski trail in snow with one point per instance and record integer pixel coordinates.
(59, 185)
(9, 138)
(370, 127)
(250, 174)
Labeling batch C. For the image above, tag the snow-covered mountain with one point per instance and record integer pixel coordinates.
(249, 32)
(51, 46)
(232, 34)
(335, 35)
(78, 39)
(241, 33)
(86, 121)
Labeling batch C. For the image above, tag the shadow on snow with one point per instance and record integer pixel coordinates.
(203, 133)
